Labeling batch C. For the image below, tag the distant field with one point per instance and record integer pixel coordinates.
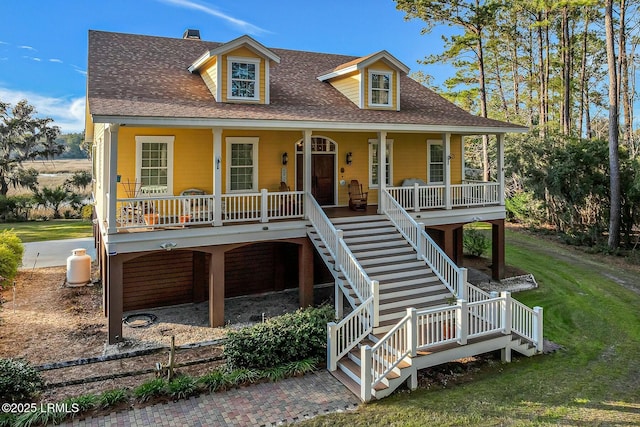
(53, 172)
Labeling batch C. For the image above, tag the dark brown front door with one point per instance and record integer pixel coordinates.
(322, 177)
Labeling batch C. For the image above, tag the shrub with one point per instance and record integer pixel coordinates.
(214, 380)
(86, 213)
(182, 387)
(11, 250)
(475, 242)
(112, 397)
(19, 381)
(83, 403)
(150, 389)
(287, 338)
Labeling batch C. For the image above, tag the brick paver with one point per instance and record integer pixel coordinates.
(265, 404)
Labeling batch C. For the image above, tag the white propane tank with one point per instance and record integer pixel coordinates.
(78, 268)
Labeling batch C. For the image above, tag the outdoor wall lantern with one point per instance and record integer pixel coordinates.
(349, 158)
(167, 246)
(285, 158)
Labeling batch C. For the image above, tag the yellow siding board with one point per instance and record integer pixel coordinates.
(209, 75)
(349, 86)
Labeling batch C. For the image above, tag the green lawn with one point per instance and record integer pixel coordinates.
(58, 229)
(594, 380)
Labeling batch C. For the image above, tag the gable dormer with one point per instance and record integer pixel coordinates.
(237, 71)
(371, 82)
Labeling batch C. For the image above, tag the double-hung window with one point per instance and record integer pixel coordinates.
(242, 164)
(154, 164)
(435, 162)
(244, 79)
(380, 93)
(374, 169)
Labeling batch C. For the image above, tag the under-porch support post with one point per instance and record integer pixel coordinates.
(216, 287)
(458, 236)
(446, 145)
(112, 184)
(500, 158)
(497, 249)
(305, 273)
(114, 298)
(306, 155)
(217, 176)
(382, 170)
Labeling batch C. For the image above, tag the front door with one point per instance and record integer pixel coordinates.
(322, 177)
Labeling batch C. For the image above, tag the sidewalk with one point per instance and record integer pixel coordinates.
(54, 253)
(265, 404)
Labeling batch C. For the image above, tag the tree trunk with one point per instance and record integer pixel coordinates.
(566, 72)
(583, 73)
(483, 105)
(614, 162)
(623, 78)
(542, 122)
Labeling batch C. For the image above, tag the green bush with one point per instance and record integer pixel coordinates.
(182, 387)
(150, 389)
(19, 381)
(112, 397)
(86, 212)
(475, 242)
(287, 338)
(11, 250)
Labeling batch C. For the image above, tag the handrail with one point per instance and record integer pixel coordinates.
(387, 353)
(323, 226)
(346, 334)
(442, 266)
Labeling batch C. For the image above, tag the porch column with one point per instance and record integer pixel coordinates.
(216, 287)
(306, 154)
(112, 176)
(446, 146)
(305, 273)
(114, 298)
(497, 249)
(217, 176)
(500, 156)
(382, 170)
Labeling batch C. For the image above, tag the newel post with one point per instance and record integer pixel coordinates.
(416, 197)
(264, 205)
(506, 312)
(332, 342)
(337, 251)
(463, 291)
(375, 288)
(412, 331)
(538, 328)
(420, 242)
(365, 373)
(462, 321)
(339, 299)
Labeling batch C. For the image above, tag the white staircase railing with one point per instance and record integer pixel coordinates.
(446, 270)
(346, 334)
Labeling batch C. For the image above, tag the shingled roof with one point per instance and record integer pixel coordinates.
(146, 77)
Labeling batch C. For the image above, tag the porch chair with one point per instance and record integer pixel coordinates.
(194, 209)
(287, 202)
(357, 198)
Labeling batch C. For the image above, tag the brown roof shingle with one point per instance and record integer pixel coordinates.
(146, 76)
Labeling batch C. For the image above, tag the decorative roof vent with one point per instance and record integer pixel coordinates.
(191, 34)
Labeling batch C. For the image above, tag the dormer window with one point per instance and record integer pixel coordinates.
(380, 89)
(244, 78)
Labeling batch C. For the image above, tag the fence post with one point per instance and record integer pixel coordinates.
(264, 205)
(538, 328)
(464, 274)
(332, 344)
(365, 373)
(420, 242)
(339, 299)
(506, 312)
(462, 321)
(339, 237)
(412, 330)
(375, 289)
(416, 197)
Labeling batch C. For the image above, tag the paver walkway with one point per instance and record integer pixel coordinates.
(265, 404)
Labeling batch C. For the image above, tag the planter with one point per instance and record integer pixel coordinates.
(184, 219)
(151, 219)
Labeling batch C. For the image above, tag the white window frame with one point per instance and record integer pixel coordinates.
(371, 88)
(234, 59)
(230, 141)
(430, 143)
(373, 162)
(169, 141)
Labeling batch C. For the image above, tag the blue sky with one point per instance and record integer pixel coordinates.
(43, 43)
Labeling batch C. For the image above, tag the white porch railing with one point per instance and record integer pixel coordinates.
(157, 211)
(469, 193)
(426, 329)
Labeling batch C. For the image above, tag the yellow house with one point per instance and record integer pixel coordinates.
(226, 169)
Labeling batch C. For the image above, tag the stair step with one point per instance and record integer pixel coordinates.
(385, 229)
(348, 382)
(382, 250)
(371, 238)
(389, 258)
(396, 276)
(351, 368)
(423, 280)
(394, 314)
(366, 246)
(407, 265)
(415, 300)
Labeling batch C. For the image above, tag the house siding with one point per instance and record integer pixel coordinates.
(349, 86)
(381, 66)
(209, 74)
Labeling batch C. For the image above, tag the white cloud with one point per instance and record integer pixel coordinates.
(68, 113)
(26, 47)
(1, 42)
(242, 25)
(59, 61)
(32, 58)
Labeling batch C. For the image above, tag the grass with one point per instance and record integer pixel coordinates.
(58, 229)
(592, 381)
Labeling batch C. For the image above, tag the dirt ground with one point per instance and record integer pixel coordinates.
(48, 322)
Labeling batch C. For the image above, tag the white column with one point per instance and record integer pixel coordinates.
(306, 179)
(446, 146)
(112, 184)
(217, 176)
(382, 170)
(500, 156)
